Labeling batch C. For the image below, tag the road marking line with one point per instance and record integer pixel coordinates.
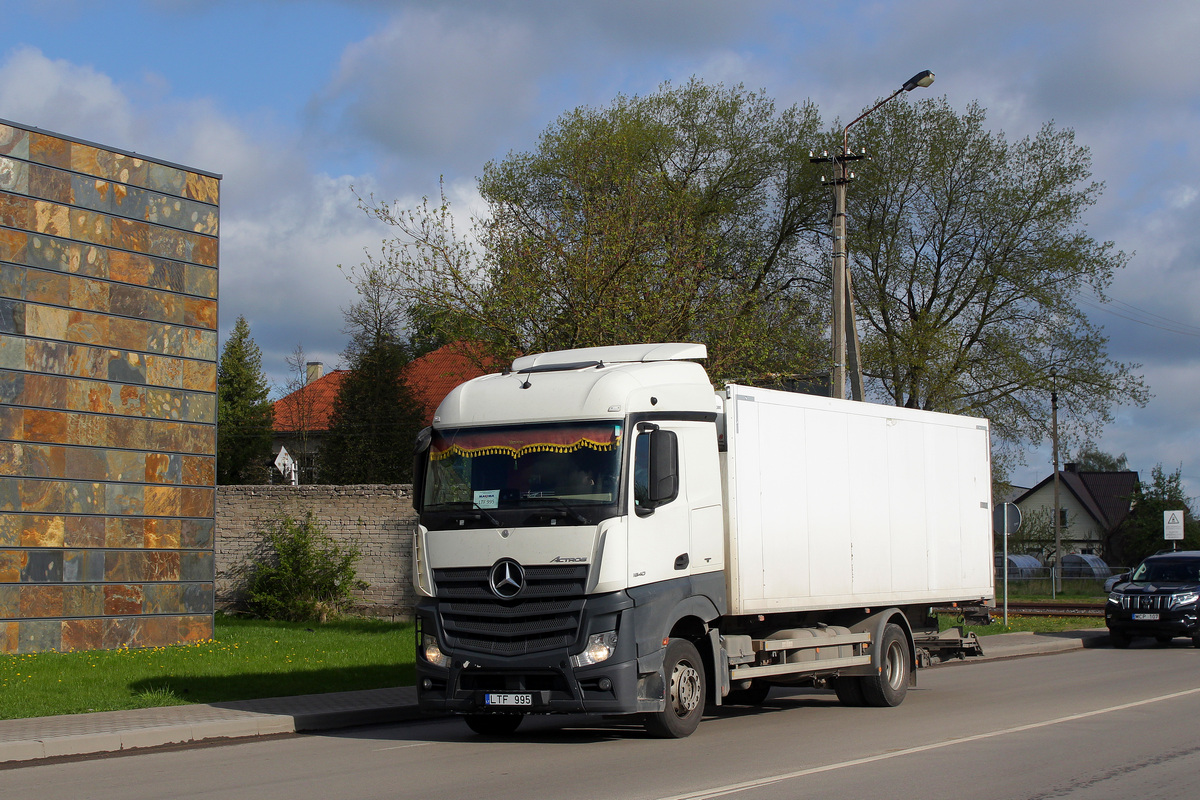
(402, 746)
(733, 788)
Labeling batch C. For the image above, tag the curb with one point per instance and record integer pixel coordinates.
(26, 740)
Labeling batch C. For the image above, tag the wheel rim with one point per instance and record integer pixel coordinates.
(895, 665)
(685, 688)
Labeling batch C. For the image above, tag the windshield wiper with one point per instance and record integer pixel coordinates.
(482, 512)
(565, 511)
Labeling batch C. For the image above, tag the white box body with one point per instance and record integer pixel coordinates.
(838, 504)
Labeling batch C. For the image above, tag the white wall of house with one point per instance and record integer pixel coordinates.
(1082, 533)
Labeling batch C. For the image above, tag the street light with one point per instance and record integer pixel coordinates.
(843, 324)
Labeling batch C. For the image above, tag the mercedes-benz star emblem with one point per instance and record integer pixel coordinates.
(507, 578)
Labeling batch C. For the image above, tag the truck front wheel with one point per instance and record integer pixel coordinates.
(890, 683)
(686, 689)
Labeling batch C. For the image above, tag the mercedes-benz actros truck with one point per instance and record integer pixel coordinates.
(602, 532)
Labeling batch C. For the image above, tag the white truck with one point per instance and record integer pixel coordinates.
(600, 532)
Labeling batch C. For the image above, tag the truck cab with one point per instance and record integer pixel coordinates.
(570, 513)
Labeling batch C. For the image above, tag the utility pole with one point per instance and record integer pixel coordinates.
(842, 325)
(1056, 577)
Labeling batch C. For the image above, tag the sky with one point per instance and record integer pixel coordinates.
(303, 104)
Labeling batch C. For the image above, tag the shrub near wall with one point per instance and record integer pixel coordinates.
(379, 520)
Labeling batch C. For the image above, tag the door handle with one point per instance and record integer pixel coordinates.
(682, 561)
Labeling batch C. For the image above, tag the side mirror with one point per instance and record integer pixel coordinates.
(664, 467)
(420, 457)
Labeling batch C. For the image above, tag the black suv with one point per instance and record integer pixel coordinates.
(1157, 599)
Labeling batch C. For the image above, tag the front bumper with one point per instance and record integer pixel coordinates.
(552, 684)
(1183, 621)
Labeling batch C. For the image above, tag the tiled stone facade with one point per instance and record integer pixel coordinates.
(108, 350)
(379, 520)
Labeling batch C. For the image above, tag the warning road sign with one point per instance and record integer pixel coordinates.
(1173, 526)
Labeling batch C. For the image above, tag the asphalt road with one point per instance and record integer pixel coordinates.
(1098, 723)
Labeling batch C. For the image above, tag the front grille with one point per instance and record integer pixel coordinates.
(1145, 602)
(545, 615)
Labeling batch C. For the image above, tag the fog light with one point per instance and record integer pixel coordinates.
(426, 684)
(604, 684)
(600, 647)
(432, 653)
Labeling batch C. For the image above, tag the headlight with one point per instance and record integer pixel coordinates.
(1185, 599)
(432, 653)
(1115, 597)
(600, 647)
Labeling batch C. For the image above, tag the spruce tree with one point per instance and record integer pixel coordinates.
(244, 415)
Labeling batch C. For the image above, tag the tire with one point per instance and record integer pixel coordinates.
(754, 695)
(849, 691)
(1118, 639)
(887, 687)
(1196, 641)
(686, 689)
(494, 724)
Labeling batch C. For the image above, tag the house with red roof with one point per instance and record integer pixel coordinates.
(302, 417)
(1092, 505)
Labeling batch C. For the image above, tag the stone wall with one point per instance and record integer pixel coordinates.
(108, 377)
(378, 519)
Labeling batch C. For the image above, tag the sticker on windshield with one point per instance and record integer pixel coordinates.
(488, 499)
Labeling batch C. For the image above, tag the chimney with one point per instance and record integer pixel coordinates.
(1070, 466)
(315, 369)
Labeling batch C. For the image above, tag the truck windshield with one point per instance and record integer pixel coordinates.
(557, 471)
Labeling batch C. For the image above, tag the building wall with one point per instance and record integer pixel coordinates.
(108, 349)
(379, 520)
(1082, 534)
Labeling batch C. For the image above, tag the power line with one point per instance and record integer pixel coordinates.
(1128, 311)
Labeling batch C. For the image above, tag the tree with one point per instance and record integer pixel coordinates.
(970, 254)
(694, 213)
(375, 418)
(1141, 534)
(1090, 459)
(683, 215)
(244, 417)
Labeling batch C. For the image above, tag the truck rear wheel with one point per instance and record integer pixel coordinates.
(494, 724)
(849, 691)
(686, 687)
(888, 686)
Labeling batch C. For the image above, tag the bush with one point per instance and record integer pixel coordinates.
(310, 577)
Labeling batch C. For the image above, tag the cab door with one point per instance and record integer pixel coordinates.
(659, 535)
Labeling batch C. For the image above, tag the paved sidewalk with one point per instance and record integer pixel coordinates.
(25, 740)
(107, 731)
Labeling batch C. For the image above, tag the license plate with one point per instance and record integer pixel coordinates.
(524, 699)
(1146, 617)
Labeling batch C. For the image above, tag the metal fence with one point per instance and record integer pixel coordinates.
(1038, 582)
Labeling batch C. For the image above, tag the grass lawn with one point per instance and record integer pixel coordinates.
(1036, 624)
(1015, 624)
(246, 659)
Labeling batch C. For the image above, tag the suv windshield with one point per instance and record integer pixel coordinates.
(562, 470)
(1168, 571)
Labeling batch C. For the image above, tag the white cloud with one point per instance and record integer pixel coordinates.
(438, 85)
(284, 226)
(67, 98)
